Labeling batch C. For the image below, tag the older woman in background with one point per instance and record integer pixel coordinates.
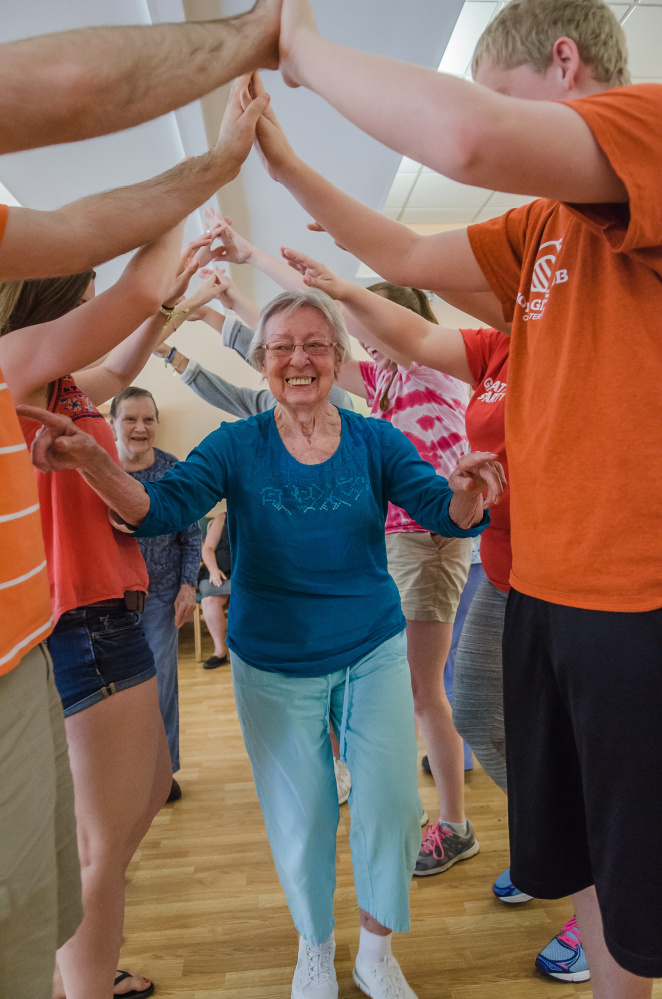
(316, 632)
(172, 560)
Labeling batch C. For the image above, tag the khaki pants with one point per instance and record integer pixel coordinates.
(40, 906)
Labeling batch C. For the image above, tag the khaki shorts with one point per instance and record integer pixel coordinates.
(40, 894)
(430, 573)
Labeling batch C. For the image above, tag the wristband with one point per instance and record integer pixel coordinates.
(169, 359)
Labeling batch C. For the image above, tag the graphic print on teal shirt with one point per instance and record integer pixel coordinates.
(311, 592)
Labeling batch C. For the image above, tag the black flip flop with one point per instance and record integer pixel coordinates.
(134, 993)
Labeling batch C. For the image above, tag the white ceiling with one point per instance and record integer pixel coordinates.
(421, 196)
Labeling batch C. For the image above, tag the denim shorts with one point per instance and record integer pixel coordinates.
(96, 652)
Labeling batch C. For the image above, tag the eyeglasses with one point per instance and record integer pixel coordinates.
(316, 348)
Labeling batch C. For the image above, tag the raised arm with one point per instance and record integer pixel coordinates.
(399, 332)
(236, 249)
(182, 495)
(101, 80)
(88, 232)
(467, 132)
(36, 355)
(128, 358)
(444, 263)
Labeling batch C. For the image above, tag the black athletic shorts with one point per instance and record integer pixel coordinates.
(583, 718)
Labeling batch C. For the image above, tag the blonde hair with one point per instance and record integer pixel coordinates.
(524, 32)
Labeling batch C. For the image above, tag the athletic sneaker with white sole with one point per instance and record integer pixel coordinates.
(343, 780)
(506, 891)
(315, 975)
(384, 980)
(564, 957)
(442, 847)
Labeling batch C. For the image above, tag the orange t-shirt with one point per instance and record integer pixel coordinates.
(88, 560)
(25, 606)
(582, 285)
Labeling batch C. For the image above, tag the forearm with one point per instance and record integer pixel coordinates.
(126, 361)
(382, 244)
(95, 229)
(121, 493)
(245, 309)
(104, 79)
(277, 269)
(466, 509)
(209, 558)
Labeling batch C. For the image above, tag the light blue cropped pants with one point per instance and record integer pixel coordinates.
(158, 621)
(285, 722)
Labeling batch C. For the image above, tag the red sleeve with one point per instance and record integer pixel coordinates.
(626, 124)
(369, 376)
(480, 346)
(4, 214)
(498, 246)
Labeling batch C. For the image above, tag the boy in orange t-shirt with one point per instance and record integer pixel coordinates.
(578, 275)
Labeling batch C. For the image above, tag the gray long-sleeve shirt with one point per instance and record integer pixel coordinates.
(234, 399)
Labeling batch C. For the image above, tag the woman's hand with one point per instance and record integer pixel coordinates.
(60, 444)
(234, 249)
(316, 275)
(184, 604)
(224, 288)
(272, 144)
(187, 267)
(475, 474)
(216, 577)
(242, 112)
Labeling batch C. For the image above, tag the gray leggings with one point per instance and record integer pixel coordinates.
(478, 681)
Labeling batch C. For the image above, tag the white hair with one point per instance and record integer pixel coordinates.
(288, 302)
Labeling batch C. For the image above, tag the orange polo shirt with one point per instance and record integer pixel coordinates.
(582, 285)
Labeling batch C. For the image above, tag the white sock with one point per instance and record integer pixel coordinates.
(461, 828)
(373, 948)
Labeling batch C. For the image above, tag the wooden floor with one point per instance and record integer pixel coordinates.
(206, 917)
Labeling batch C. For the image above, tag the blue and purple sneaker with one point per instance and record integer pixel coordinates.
(506, 891)
(564, 957)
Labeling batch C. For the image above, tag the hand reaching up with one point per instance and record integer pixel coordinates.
(187, 267)
(234, 249)
(237, 132)
(272, 144)
(222, 286)
(316, 275)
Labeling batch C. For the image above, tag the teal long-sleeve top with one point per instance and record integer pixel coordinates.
(311, 591)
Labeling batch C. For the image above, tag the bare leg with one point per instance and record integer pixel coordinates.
(371, 924)
(609, 980)
(428, 645)
(122, 774)
(213, 611)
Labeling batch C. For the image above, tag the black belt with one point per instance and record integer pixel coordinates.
(133, 600)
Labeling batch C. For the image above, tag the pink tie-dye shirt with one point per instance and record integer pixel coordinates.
(429, 408)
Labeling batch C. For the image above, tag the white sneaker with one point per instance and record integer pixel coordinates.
(343, 780)
(383, 980)
(315, 975)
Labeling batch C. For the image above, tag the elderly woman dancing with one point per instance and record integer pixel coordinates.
(316, 632)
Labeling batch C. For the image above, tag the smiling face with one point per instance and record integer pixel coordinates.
(300, 379)
(135, 426)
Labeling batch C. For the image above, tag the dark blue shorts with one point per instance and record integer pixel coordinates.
(96, 652)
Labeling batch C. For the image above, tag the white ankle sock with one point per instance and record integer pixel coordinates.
(461, 828)
(373, 947)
